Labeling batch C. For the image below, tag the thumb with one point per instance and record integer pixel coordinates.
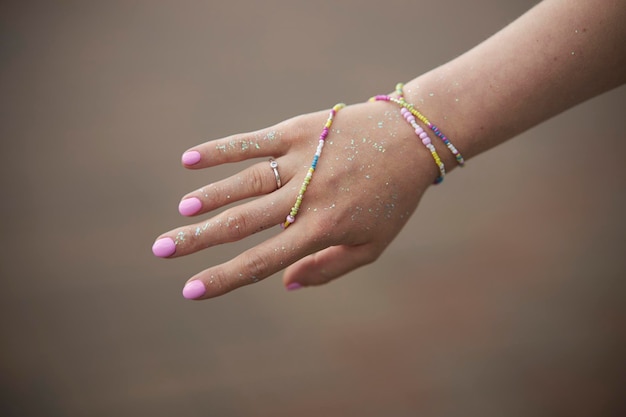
(330, 263)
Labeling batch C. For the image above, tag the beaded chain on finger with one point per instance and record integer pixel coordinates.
(411, 108)
(309, 175)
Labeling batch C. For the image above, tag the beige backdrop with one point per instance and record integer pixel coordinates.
(504, 296)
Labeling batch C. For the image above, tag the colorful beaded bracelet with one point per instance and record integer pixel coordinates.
(411, 108)
(291, 217)
(421, 133)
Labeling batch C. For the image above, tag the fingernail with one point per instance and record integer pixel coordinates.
(194, 289)
(191, 158)
(293, 286)
(164, 247)
(189, 206)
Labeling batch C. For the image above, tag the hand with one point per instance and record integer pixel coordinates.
(369, 179)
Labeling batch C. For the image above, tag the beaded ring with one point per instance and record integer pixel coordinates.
(291, 217)
(411, 108)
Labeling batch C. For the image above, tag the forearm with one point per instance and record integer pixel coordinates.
(557, 55)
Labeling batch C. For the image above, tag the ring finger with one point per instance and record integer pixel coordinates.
(259, 179)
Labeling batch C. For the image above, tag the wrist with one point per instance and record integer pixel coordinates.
(440, 102)
(431, 135)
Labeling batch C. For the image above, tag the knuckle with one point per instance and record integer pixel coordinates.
(235, 225)
(256, 268)
(257, 180)
(325, 228)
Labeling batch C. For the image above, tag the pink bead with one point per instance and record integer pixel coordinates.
(403, 111)
(419, 131)
(426, 141)
(290, 219)
(423, 135)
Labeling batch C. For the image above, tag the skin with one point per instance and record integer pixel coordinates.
(555, 56)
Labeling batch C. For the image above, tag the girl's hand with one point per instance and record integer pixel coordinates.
(369, 179)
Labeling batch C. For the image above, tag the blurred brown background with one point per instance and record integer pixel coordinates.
(504, 296)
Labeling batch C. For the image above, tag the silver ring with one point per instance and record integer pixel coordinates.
(274, 166)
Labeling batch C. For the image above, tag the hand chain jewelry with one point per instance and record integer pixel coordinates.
(291, 217)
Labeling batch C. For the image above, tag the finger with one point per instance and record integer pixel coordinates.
(252, 265)
(324, 266)
(235, 148)
(254, 181)
(231, 225)
(273, 141)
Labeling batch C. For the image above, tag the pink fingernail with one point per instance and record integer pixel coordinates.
(194, 289)
(189, 206)
(293, 286)
(164, 247)
(191, 158)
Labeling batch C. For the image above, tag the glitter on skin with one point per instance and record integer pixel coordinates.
(245, 145)
(379, 147)
(358, 210)
(180, 238)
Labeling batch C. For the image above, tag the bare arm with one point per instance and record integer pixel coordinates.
(374, 172)
(558, 54)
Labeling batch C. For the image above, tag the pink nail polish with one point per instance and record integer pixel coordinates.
(194, 289)
(164, 247)
(189, 206)
(293, 286)
(191, 158)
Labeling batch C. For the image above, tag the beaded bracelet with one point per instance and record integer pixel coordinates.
(309, 175)
(459, 158)
(421, 133)
(411, 108)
